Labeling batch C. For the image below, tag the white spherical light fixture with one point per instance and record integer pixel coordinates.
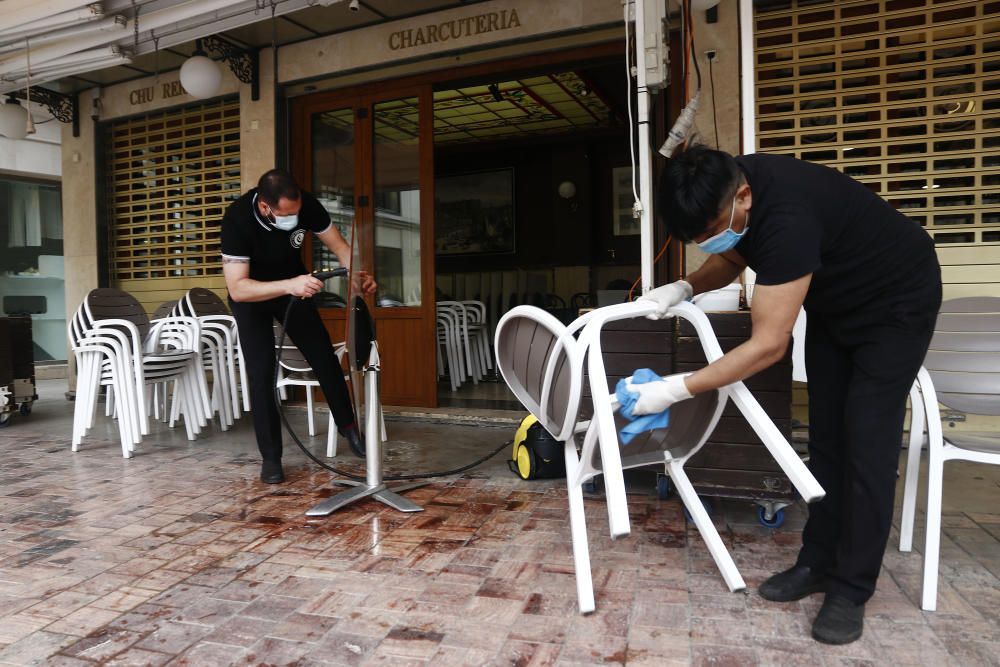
(201, 76)
(13, 120)
(567, 189)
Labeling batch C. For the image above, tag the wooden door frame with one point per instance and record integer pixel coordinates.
(303, 110)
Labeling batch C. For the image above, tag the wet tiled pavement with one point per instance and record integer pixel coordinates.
(179, 556)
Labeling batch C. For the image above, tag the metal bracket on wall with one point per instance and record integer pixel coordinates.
(64, 108)
(244, 63)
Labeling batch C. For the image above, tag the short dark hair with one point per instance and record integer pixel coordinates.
(277, 184)
(693, 189)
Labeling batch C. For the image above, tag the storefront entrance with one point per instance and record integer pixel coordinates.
(494, 184)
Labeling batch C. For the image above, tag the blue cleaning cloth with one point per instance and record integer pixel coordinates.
(627, 399)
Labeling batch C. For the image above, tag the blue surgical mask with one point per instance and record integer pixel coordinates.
(286, 222)
(727, 238)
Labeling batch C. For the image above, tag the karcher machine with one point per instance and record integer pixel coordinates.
(536, 454)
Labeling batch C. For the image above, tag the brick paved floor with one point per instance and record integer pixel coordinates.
(179, 556)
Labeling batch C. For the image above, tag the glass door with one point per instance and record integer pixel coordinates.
(332, 182)
(368, 158)
(402, 173)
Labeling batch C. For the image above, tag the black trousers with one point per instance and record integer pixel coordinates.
(256, 326)
(860, 369)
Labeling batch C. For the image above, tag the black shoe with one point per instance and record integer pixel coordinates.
(839, 621)
(792, 584)
(271, 472)
(354, 440)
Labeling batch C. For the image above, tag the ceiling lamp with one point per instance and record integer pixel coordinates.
(200, 75)
(13, 120)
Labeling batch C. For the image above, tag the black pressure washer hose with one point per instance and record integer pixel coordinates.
(324, 275)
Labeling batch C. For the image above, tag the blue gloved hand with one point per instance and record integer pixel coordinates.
(645, 391)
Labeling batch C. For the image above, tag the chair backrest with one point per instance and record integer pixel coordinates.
(204, 302)
(165, 309)
(542, 364)
(291, 357)
(964, 355)
(107, 303)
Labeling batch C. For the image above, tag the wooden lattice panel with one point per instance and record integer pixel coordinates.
(170, 176)
(903, 95)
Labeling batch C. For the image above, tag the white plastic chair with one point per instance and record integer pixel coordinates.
(449, 337)
(469, 368)
(296, 371)
(167, 350)
(543, 364)
(479, 335)
(219, 330)
(101, 361)
(961, 372)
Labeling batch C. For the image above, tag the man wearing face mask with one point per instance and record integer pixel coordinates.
(262, 236)
(870, 283)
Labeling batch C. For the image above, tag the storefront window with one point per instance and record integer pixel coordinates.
(31, 262)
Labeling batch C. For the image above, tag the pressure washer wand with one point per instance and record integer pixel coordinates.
(330, 273)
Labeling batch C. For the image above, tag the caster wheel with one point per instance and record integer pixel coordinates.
(25, 409)
(5, 420)
(776, 520)
(663, 487)
(590, 486)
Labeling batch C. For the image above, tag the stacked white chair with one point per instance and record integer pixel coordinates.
(115, 345)
(222, 353)
(470, 369)
(480, 336)
(544, 363)
(449, 337)
(102, 361)
(961, 372)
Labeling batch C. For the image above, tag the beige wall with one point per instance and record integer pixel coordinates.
(79, 214)
(723, 38)
(360, 49)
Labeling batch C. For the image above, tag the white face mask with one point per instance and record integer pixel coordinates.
(286, 222)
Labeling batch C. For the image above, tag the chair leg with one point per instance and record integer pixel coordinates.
(331, 437)
(578, 531)
(309, 411)
(912, 480)
(932, 543)
(720, 554)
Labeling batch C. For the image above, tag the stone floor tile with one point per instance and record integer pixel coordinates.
(202, 564)
(35, 649)
(206, 653)
(173, 637)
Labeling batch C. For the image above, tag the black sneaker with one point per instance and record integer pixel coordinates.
(792, 584)
(354, 440)
(839, 621)
(271, 472)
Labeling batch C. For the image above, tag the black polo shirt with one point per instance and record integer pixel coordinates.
(809, 218)
(273, 254)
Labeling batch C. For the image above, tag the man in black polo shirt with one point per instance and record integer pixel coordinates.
(262, 235)
(870, 283)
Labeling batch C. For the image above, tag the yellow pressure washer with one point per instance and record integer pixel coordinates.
(536, 454)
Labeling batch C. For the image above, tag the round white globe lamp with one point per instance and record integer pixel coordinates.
(201, 76)
(13, 120)
(567, 190)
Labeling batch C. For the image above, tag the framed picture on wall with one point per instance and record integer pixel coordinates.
(474, 213)
(623, 198)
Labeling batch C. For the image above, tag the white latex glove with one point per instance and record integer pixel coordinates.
(668, 295)
(658, 396)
